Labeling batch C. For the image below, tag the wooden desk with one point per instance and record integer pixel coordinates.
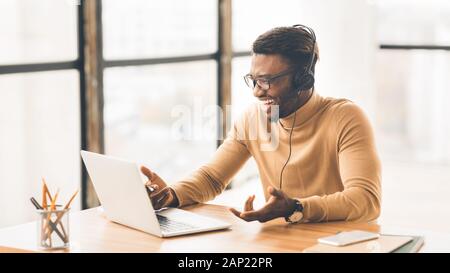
(92, 232)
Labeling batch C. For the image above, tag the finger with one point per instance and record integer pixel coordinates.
(275, 192)
(259, 215)
(155, 204)
(251, 202)
(235, 212)
(159, 194)
(248, 204)
(251, 215)
(146, 171)
(161, 199)
(152, 187)
(156, 180)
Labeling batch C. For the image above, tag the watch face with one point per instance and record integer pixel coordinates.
(296, 216)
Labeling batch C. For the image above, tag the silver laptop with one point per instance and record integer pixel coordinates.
(121, 190)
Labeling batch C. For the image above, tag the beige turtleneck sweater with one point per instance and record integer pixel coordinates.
(334, 168)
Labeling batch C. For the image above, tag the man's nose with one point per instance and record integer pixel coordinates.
(258, 92)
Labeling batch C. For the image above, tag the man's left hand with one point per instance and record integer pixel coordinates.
(279, 205)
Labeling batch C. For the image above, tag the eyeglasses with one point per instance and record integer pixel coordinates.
(264, 82)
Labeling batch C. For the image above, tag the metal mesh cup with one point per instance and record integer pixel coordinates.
(53, 229)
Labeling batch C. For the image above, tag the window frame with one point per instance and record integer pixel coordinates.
(90, 64)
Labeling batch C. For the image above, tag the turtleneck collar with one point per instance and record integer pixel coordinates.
(304, 113)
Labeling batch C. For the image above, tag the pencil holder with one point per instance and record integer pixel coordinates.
(53, 229)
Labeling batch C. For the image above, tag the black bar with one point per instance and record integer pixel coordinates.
(100, 70)
(39, 67)
(414, 47)
(242, 54)
(219, 76)
(153, 61)
(83, 117)
(382, 46)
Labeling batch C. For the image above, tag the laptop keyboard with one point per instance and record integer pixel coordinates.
(169, 225)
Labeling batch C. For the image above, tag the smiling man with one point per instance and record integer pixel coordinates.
(325, 166)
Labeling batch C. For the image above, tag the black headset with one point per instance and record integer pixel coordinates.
(305, 80)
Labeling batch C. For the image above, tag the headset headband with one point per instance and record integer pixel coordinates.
(313, 52)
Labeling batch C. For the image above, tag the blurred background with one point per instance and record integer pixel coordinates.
(106, 76)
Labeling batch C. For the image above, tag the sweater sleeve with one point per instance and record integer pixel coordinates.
(211, 179)
(360, 172)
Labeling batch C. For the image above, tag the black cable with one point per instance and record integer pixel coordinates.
(290, 149)
(290, 140)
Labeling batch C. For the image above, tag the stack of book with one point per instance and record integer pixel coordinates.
(383, 244)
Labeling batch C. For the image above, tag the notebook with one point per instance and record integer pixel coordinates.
(413, 246)
(384, 244)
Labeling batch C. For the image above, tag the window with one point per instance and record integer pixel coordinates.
(39, 121)
(411, 91)
(163, 56)
(37, 31)
(411, 107)
(411, 83)
(39, 104)
(415, 22)
(248, 23)
(158, 115)
(163, 29)
(242, 98)
(174, 43)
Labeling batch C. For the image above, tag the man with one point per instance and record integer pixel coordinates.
(325, 166)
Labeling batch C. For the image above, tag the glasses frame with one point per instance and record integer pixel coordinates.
(252, 83)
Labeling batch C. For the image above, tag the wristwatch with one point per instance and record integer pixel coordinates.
(297, 215)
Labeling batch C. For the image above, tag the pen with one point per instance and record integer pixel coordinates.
(39, 207)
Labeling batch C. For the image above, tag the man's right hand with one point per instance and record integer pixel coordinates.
(162, 196)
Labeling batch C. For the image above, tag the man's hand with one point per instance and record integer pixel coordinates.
(160, 195)
(279, 205)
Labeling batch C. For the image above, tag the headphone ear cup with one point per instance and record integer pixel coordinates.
(298, 81)
(305, 82)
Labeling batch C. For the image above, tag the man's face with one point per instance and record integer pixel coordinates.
(281, 91)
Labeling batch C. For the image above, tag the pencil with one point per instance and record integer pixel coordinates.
(61, 214)
(70, 201)
(44, 207)
(53, 205)
(49, 216)
(47, 191)
(44, 196)
(39, 207)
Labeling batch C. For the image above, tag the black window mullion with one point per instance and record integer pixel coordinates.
(414, 47)
(38, 67)
(155, 61)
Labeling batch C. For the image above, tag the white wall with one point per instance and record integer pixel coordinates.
(345, 33)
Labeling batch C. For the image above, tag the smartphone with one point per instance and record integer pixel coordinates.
(348, 237)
